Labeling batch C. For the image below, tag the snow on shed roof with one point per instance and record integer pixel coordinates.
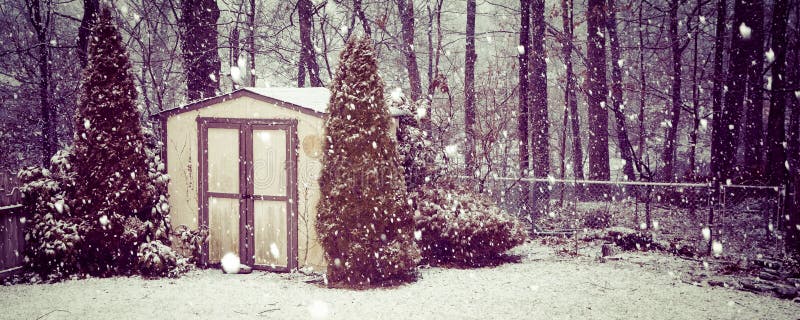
(315, 98)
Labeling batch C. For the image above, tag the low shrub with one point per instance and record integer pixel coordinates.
(53, 239)
(597, 220)
(639, 241)
(156, 259)
(457, 227)
(192, 240)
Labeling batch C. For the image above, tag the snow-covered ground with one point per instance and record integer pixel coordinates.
(543, 286)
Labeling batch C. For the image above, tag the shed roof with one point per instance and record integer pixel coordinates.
(312, 101)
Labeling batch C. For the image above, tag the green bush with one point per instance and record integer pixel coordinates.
(456, 226)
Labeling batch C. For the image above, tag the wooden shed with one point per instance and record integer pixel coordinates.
(246, 165)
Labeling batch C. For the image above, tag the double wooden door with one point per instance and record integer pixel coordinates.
(247, 191)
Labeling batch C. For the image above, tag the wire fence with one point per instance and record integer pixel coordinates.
(737, 221)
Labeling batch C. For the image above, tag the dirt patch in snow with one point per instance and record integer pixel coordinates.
(543, 285)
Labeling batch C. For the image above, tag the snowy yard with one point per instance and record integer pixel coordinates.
(542, 286)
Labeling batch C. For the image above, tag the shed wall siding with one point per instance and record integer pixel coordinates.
(182, 155)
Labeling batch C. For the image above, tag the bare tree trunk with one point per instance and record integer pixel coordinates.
(469, 91)
(728, 124)
(793, 202)
(234, 43)
(301, 70)
(308, 56)
(793, 142)
(776, 135)
(617, 102)
(90, 8)
(199, 42)
(571, 98)
(716, 93)
(522, 117)
(695, 102)
(596, 78)
(562, 150)
(642, 97)
(251, 45)
(677, 102)
(39, 15)
(540, 139)
(753, 128)
(359, 11)
(434, 51)
(406, 11)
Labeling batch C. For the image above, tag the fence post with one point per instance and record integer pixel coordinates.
(714, 196)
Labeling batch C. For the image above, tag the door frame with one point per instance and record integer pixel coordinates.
(246, 201)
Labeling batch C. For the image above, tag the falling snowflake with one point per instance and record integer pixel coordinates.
(706, 233)
(521, 49)
(104, 220)
(745, 31)
(242, 63)
(236, 75)
(770, 55)
(421, 112)
(230, 263)
(273, 249)
(451, 150)
(716, 247)
(397, 95)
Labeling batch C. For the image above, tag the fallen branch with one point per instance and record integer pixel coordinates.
(47, 314)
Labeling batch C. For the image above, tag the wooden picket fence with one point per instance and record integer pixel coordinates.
(12, 225)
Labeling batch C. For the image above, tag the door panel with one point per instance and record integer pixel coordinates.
(270, 233)
(269, 190)
(223, 160)
(223, 191)
(223, 225)
(269, 163)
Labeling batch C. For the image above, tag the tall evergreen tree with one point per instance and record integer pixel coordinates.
(364, 221)
(109, 155)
